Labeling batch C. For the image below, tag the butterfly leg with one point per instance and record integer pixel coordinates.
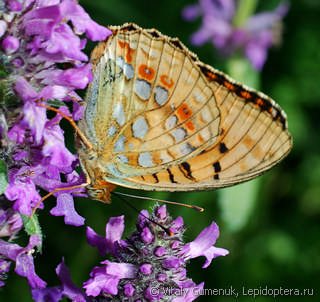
(54, 191)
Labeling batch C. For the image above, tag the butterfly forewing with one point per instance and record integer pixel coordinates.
(160, 119)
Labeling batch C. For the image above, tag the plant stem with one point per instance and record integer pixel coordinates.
(244, 10)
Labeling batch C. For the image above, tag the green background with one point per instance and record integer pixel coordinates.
(273, 232)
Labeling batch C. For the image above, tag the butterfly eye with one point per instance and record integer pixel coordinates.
(91, 155)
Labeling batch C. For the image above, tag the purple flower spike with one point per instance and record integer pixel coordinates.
(42, 56)
(38, 38)
(253, 38)
(144, 269)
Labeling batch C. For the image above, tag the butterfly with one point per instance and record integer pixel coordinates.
(159, 119)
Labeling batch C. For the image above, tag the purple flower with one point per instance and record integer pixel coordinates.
(4, 268)
(254, 37)
(42, 55)
(203, 245)
(67, 289)
(140, 271)
(107, 244)
(10, 220)
(144, 269)
(22, 190)
(24, 260)
(10, 224)
(10, 45)
(36, 38)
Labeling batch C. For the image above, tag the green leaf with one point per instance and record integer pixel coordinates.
(245, 9)
(3, 176)
(55, 103)
(237, 204)
(32, 226)
(241, 70)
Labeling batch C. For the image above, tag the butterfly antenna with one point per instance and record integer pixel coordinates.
(54, 191)
(199, 209)
(71, 121)
(136, 210)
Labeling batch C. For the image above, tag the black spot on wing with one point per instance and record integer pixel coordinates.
(155, 177)
(217, 167)
(223, 148)
(185, 169)
(171, 176)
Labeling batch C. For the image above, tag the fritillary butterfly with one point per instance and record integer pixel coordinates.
(159, 119)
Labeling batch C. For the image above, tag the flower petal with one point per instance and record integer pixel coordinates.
(114, 231)
(83, 23)
(121, 270)
(70, 290)
(25, 90)
(202, 245)
(48, 294)
(96, 240)
(64, 41)
(23, 191)
(35, 117)
(101, 282)
(65, 207)
(25, 265)
(212, 253)
(191, 12)
(54, 148)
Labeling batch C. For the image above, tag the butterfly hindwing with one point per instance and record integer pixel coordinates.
(251, 142)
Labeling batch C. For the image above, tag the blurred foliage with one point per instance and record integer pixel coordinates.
(3, 176)
(279, 245)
